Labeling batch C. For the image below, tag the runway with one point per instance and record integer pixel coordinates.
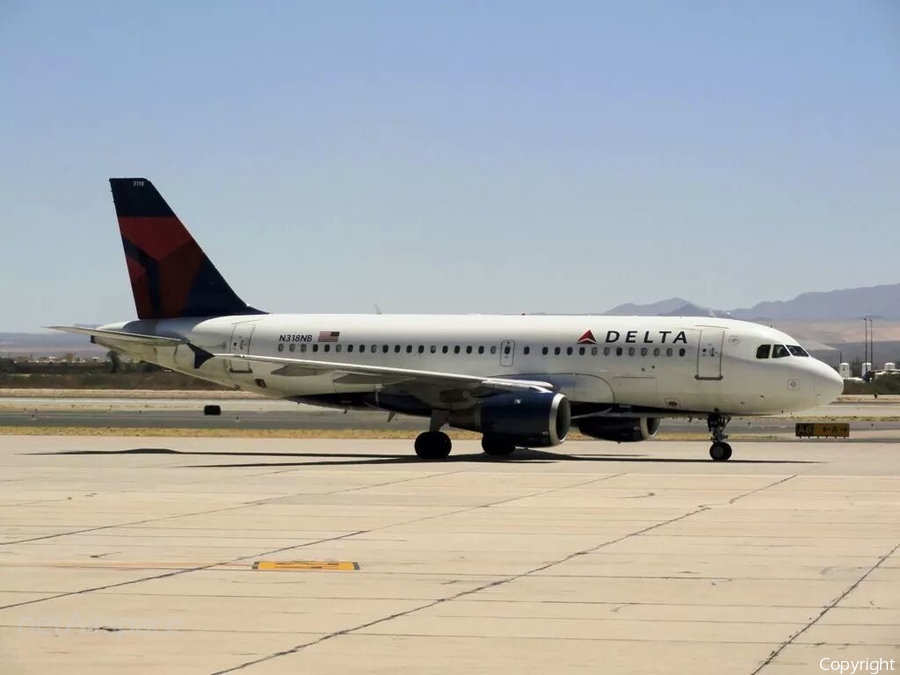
(138, 555)
(259, 414)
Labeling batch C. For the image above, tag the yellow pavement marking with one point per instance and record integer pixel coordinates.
(293, 565)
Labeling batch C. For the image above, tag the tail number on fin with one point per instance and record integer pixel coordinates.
(137, 183)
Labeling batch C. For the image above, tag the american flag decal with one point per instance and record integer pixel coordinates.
(329, 335)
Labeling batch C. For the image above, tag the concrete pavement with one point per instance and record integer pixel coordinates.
(137, 555)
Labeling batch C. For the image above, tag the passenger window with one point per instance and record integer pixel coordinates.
(349, 348)
(302, 348)
(337, 348)
(545, 350)
(445, 349)
(618, 351)
(362, 349)
(494, 349)
(631, 351)
(434, 349)
(468, 349)
(456, 349)
(762, 351)
(421, 349)
(327, 348)
(374, 349)
(780, 351)
(281, 346)
(656, 351)
(292, 348)
(594, 351)
(682, 351)
(669, 351)
(556, 351)
(396, 349)
(315, 348)
(606, 351)
(507, 349)
(481, 350)
(643, 351)
(409, 349)
(527, 350)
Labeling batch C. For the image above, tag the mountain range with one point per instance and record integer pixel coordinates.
(851, 304)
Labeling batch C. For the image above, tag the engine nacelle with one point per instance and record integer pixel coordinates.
(529, 419)
(619, 429)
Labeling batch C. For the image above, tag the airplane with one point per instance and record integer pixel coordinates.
(519, 380)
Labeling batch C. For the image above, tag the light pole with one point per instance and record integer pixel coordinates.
(865, 345)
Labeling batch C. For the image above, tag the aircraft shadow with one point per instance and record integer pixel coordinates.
(381, 459)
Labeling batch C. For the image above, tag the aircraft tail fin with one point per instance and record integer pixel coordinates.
(171, 276)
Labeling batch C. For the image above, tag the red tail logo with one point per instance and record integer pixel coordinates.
(587, 338)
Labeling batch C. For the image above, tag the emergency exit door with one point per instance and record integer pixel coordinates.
(507, 353)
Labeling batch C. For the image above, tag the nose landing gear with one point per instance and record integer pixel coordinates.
(720, 450)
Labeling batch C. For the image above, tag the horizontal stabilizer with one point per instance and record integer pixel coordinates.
(123, 339)
(150, 340)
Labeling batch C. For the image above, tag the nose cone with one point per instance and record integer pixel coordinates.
(828, 384)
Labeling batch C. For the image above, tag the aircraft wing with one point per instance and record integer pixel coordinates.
(386, 376)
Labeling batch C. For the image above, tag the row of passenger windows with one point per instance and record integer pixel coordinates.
(779, 351)
(469, 349)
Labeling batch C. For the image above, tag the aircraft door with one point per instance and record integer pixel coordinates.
(507, 353)
(709, 353)
(240, 344)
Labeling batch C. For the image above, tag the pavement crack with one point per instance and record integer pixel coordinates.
(498, 582)
(764, 487)
(774, 654)
(461, 594)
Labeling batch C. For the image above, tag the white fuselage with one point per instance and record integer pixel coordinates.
(674, 364)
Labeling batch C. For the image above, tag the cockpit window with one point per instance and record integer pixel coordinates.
(797, 350)
(763, 351)
(780, 351)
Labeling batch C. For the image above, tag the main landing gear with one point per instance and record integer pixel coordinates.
(433, 445)
(720, 450)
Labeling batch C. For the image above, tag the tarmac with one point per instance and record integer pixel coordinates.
(133, 555)
(119, 412)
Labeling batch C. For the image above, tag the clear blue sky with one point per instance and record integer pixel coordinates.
(453, 156)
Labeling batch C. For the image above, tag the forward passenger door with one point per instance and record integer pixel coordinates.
(709, 353)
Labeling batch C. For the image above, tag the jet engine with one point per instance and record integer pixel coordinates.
(619, 429)
(528, 419)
